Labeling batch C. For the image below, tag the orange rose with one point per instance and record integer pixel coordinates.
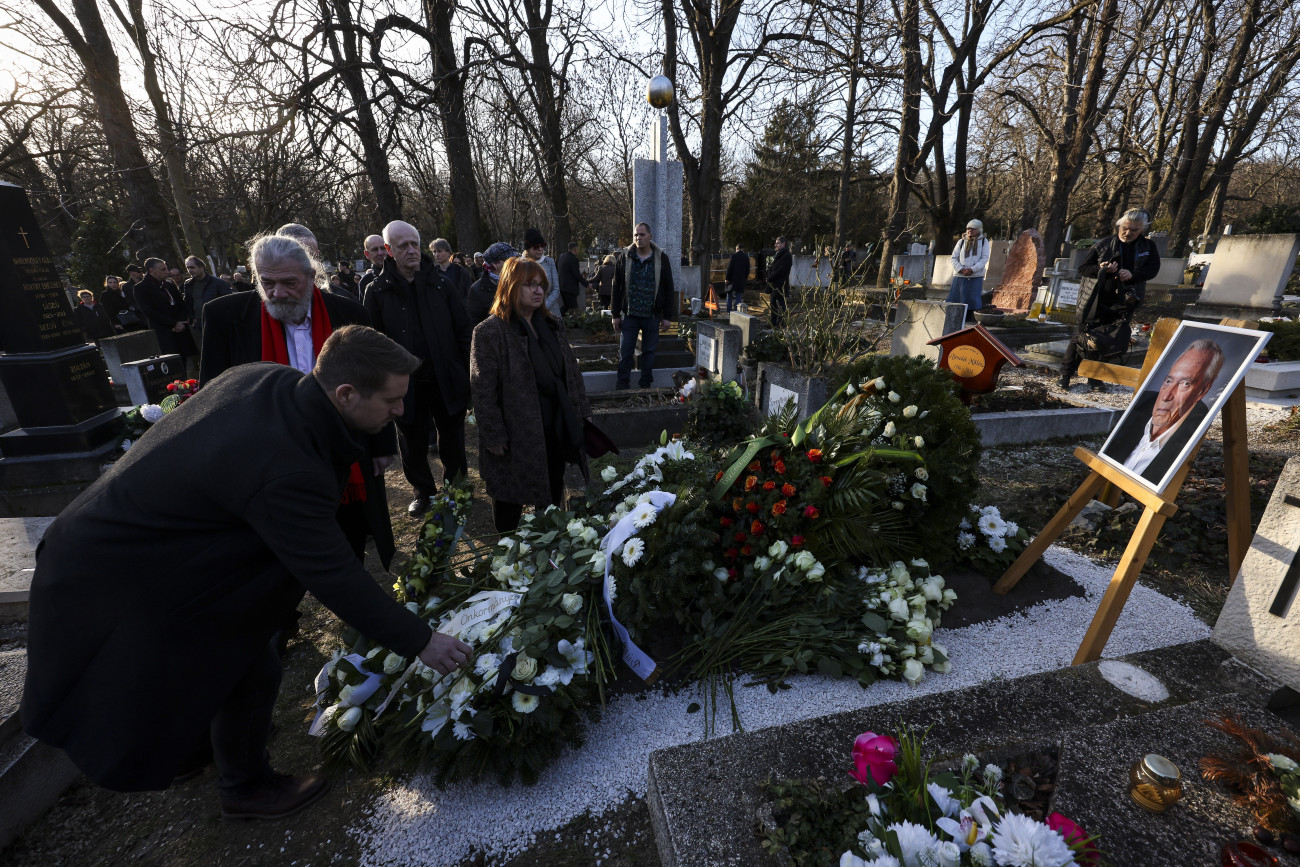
(780, 467)
(787, 490)
(814, 455)
(767, 486)
(755, 467)
(750, 482)
(778, 508)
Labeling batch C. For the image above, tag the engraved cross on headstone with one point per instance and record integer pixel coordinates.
(1286, 592)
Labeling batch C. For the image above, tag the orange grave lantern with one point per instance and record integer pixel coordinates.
(974, 357)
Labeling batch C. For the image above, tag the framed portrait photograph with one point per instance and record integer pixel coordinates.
(1176, 404)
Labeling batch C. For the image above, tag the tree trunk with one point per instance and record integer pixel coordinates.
(850, 113)
(549, 108)
(449, 93)
(908, 129)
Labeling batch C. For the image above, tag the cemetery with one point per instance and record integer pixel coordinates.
(877, 571)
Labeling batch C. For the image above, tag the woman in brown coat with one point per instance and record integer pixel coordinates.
(529, 401)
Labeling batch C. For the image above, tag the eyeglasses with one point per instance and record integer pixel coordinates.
(536, 284)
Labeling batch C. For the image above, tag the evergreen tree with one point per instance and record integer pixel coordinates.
(98, 249)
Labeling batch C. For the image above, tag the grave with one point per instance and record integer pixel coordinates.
(1260, 620)
(912, 266)
(802, 272)
(131, 346)
(657, 200)
(1022, 273)
(58, 415)
(1277, 379)
(779, 383)
(1248, 279)
(919, 322)
(941, 277)
(746, 324)
(146, 381)
(717, 350)
(1031, 426)
(705, 801)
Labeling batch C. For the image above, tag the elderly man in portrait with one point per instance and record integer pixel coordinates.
(1160, 423)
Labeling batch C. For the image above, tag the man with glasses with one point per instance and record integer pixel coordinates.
(535, 249)
(642, 296)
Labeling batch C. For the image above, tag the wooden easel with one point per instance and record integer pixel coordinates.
(1157, 508)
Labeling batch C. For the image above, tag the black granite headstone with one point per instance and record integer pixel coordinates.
(55, 387)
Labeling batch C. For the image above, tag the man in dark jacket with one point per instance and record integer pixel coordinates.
(458, 277)
(1121, 265)
(737, 274)
(778, 280)
(157, 590)
(162, 305)
(643, 295)
(200, 288)
(375, 254)
(412, 303)
(484, 291)
(269, 325)
(118, 299)
(571, 279)
(93, 318)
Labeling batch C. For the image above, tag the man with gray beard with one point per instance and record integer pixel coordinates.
(287, 320)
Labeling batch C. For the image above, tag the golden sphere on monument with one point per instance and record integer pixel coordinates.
(659, 92)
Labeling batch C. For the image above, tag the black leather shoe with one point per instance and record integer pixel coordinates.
(282, 795)
(420, 505)
(1063, 382)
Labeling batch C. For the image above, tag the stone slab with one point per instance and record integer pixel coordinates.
(1275, 379)
(922, 321)
(147, 379)
(704, 799)
(998, 250)
(605, 380)
(1171, 273)
(132, 346)
(640, 425)
(1092, 784)
(942, 273)
(802, 272)
(747, 324)
(1022, 274)
(13, 670)
(718, 348)
(33, 776)
(1250, 271)
(911, 266)
(1260, 620)
(657, 199)
(778, 384)
(1031, 426)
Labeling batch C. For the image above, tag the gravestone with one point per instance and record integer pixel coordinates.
(657, 200)
(745, 323)
(1260, 620)
(919, 322)
(1022, 273)
(132, 346)
(914, 267)
(997, 262)
(780, 383)
(146, 381)
(717, 349)
(1248, 279)
(18, 540)
(54, 387)
(802, 272)
(942, 276)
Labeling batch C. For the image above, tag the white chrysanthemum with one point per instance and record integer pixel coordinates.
(964, 525)
(992, 775)
(609, 474)
(998, 544)
(913, 840)
(992, 525)
(126, 445)
(981, 855)
(991, 510)
(965, 540)
(151, 412)
(1019, 841)
(487, 663)
(1012, 528)
(524, 703)
(633, 550)
(463, 731)
(644, 515)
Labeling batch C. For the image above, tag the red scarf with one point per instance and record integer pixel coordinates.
(274, 348)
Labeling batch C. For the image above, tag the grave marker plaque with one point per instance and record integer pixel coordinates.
(974, 357)
(717, 349)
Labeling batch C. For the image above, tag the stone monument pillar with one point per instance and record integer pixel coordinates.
(55, 397)
(657, 187)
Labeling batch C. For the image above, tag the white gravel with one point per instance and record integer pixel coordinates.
(414, 822)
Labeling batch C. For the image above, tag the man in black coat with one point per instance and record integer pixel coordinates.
(484, 291)
(1160, 424)
(778, 280)
(236, 334)
(571, 279)
(118, 299)
(93, 318)
(642, 297)
(1121, 265)
(200, 288)
(162, 305)
(157, 590)
(412, 303)
(737, 275)
(458, 277)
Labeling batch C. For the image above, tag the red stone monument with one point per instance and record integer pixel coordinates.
(974, 357)
(1022, 274)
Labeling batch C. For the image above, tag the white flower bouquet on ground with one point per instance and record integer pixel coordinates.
(987, 542)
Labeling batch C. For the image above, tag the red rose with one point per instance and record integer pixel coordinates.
(780, 467)
(726, 522)
(750, 482)
(778, 508)
(773, 455)
(796, 541)
(753, 507)
(171, 386)
(191, 382)
(718, 477)
(747, 550)
(739, 537)
(737, 504)
(811, 512)
(814, 455)
(756, 528)
(767, 486)
(787, 490)
(731, 573)
(827, 480)
(755, 467)
(731, 554)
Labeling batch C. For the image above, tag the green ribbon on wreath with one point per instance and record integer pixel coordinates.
(733, 472)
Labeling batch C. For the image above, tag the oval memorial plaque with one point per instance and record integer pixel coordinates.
(966, 361)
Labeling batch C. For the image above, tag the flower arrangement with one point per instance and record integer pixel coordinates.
(178, 392)
(903, 813)
(987, 542)
(718, 415)
(540, 661)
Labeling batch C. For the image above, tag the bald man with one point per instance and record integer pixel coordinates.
(302, 235)
(412, 302)
(375, 253)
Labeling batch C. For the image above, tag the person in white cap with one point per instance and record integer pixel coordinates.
(969, 259)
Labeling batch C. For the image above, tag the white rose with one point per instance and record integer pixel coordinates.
(926, 655)
(570, 603)
(897, 505)
(890, 429)
(762, 563)
(894, 397)
(349, 719)
(598, 563)
(816, 572)
(393, 663)
(899, 610)
(898, 572)
(609, 474)
(919, 441)
(919, 631)
(924, 475)
(913, 671)
(909, 411)
(804, 560)
(777, 550)
(879, 383)
(918, 492)
(346, 693)
(575, 529)
(720, 574)
(525, 668)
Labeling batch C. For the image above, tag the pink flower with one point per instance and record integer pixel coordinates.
(1074, 835)
(873, 758)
